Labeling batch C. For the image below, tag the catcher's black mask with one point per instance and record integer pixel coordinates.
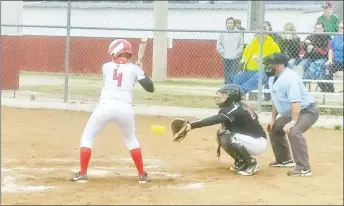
(227, 95)
(271, 61)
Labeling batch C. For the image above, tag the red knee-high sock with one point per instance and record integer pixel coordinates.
(136, 155)
(85, 156)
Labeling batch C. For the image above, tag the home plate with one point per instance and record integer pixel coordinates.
(22, 188)
(165, 174)
(194, 186)
(8, 185)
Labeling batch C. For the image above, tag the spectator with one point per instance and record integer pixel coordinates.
(230, 46)
(275, 37)
(248, 78)
(238, 26)
(335, 59)
(316, 51)
(237, 23)
(328, 18)
(290, 45)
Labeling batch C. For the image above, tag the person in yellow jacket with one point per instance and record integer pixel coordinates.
(248, 78)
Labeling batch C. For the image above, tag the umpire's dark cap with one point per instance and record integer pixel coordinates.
(278, 58)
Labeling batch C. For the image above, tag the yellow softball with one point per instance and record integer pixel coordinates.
(158, 129)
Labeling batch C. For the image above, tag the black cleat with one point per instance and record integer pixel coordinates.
(249, 170)
(287, 164)
(302, 173)
(238, 165)
(79, 178)
(143, 178)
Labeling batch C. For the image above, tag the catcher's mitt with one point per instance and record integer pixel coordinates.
(180, 128)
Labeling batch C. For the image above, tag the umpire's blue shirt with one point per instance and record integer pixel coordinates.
(288, 88)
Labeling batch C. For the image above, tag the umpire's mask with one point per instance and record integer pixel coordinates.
(269, 66)
(270, 70)
(271, 62)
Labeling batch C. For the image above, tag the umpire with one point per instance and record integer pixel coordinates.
(298, 112)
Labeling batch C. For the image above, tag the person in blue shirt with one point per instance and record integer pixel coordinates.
(335, 59)
(298, 112)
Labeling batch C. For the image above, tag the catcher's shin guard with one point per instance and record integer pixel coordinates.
(224, 138)
(243, 153)
(235, 149)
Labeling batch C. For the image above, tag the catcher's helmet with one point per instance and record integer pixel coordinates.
(228, 94)
(118, 47)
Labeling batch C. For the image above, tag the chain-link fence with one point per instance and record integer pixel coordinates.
(55, 59)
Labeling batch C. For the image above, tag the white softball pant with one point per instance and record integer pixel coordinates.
(113, 110)
(254, 146)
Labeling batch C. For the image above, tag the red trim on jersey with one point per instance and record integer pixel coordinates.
(120, 60)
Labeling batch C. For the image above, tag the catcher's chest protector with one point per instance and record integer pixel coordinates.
(241, 119)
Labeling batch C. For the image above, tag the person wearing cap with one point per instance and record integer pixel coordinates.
(328, 18)
(298, 112)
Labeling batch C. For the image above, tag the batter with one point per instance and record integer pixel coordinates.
(115, 104)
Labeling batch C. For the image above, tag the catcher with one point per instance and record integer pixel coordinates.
(241, 135)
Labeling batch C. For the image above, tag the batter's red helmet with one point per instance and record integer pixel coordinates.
(118, 47)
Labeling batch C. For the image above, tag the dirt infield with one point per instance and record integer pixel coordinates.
(40, 149)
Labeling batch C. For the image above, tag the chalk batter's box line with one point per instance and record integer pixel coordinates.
(94, 171)
(50, 160)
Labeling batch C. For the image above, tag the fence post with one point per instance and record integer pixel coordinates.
(248, 15)
(0, 65)
(253, 15)
(338, 8)
(67, 52)
(261, 40)
(159, 70)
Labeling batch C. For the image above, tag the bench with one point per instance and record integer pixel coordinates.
(269, 103)
(310, 81)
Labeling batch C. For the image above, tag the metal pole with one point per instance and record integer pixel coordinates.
(0, 88)
(338, 8)
(160, 30)
(261, 49)
(67, 52)
(0, 79)
(248, 16)
(254, 15)
(159, 70)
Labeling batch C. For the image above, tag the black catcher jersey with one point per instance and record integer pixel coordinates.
(242, 119)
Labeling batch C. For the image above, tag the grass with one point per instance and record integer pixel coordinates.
(97, 77)
(71, 75)
(338, 127)
(170, 98)
(159, 97)
(83, 86)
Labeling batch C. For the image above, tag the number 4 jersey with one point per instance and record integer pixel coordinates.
(243, 120)
(119, 80)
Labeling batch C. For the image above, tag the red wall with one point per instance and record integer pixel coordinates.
(11, 62)
(187, 58)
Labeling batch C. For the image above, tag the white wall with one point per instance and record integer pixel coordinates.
(11, 12)
(197, 19)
